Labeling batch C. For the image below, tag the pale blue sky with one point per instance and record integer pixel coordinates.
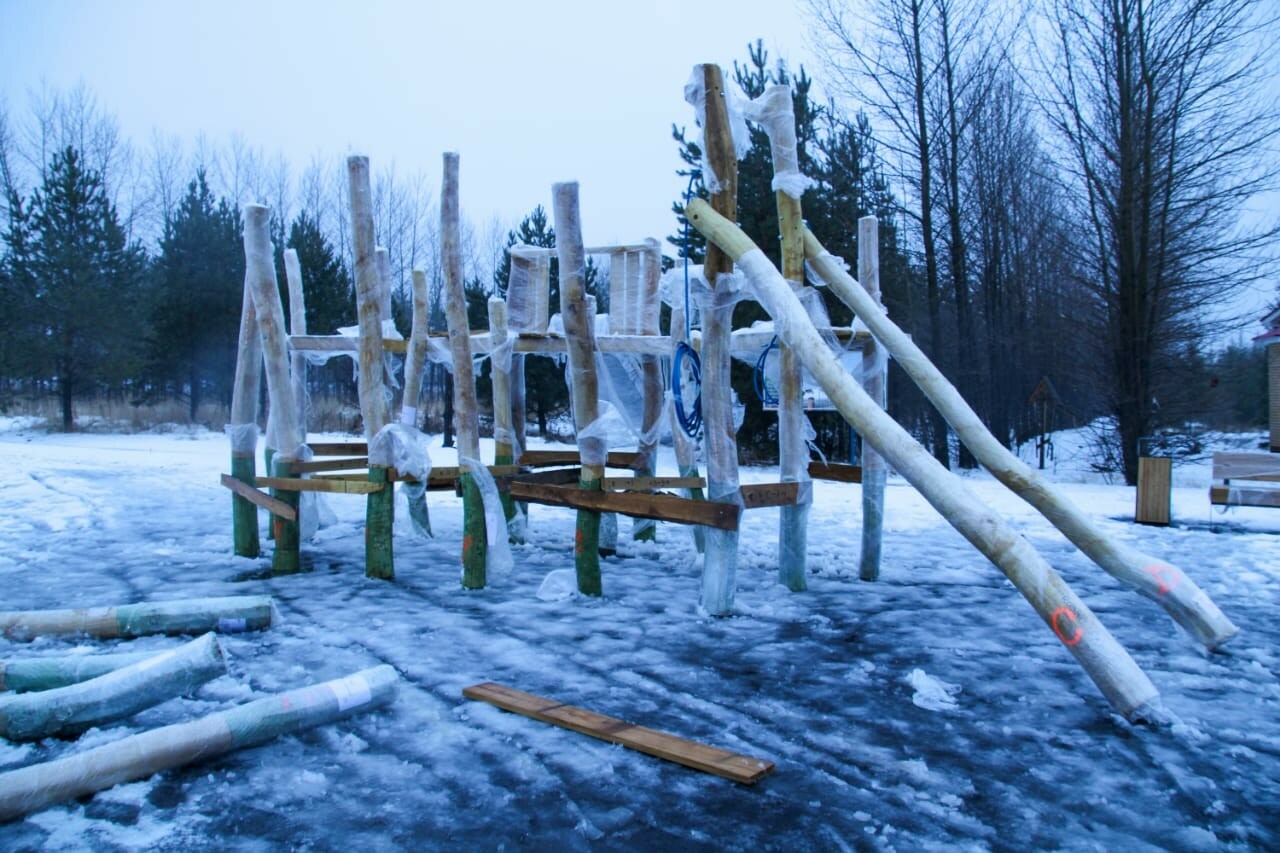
(528, 93)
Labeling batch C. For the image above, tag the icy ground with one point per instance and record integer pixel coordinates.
(929, 710)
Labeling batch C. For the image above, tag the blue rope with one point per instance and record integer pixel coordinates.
(690, 419)
(761, 387)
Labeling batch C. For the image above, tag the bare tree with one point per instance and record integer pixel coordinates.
(1159, 106)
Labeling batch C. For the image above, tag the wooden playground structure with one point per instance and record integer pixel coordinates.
(734, 269)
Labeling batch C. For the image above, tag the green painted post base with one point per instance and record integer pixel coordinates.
(244, 515)
(287, 534)
(475, 545)
(586, 547)
(268, 457)
(379, 518)
(509, 509)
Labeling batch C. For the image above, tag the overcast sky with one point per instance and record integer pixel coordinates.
(528, 93)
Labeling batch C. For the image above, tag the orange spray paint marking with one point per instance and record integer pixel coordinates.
(577, 542)
(1062, 619)
(1167, 577)
(466, 547)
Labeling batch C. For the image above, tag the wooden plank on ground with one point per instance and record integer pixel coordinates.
(275, 506)
(349, 448)
(641, 484)
(1263, 467)
(699, 756)
(661, 507)
(316, 465)
(757, 495)
(334, 486)
(835, 471)
(1241, 495)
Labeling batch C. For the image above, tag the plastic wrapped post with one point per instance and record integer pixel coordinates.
(645, 529)
(580, 334)
(1115, 673)
(414, 367)
(505, 449)
(70, 710)
(873, 467)
(1157, 579)
(243, 428)
(720, 562)
(297, 326)
(185, 616)
(466, 417)
(30, 789)
(379, 559)
(686, 451)
(498, 560)
(47, 673)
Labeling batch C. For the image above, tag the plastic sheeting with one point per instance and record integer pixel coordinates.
(498, 561)
(695, 93)
(403, 448)
(243, 438)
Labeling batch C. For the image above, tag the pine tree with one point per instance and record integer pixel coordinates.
(199, 289)
(84, 279)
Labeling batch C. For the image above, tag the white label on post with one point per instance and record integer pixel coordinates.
(351, 692)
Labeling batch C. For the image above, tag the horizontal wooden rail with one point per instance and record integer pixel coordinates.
(313, 466)
(335, 486)
(353, 448)
(836, 471)
(641, 484)
(640, 504)
(758, 495)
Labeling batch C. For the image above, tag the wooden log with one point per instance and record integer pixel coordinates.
(27, 674)
(1154, 578)
(297, 326)
(720, 563)
(31, 789)
(275, 506)
(187, 616)
(874, 472)
(316, 484)
(758, 495)
(70, 710)
(504, 443)
(466, 416)
(379, 559)
(243, 429)
(1115, 673)
(580, 333)
(713, 514)
(699, 756)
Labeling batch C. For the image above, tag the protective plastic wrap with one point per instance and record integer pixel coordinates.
(46, 673)
(403, 448)
(498, 561)
(775, 112)
(29, 789)
(114, 696)
(243, 438)
(185, 616)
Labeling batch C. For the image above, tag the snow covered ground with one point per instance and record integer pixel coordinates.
(931, 709)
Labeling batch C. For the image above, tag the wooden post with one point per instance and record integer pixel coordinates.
(297, 326)
(1273, 386)
(1115, 673)
(720, 563)
(504, 447)
(1156, 579)
(876, 365)
(581, 340)
(651, 373)
(775, 111)
(414, 368)
(474, 542)
(379, 560)
(270, 313)
(243, 429)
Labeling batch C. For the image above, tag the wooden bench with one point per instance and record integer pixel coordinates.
(1245, 479)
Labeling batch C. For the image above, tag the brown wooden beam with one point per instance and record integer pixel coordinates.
(348, 487)
(316, 465)
(642, 484)
(350, 448)
(661, 507)
(272, 505)
(757, 495)
(835, 471)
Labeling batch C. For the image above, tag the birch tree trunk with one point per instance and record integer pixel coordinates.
(1115, 673)
(1154, 578)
